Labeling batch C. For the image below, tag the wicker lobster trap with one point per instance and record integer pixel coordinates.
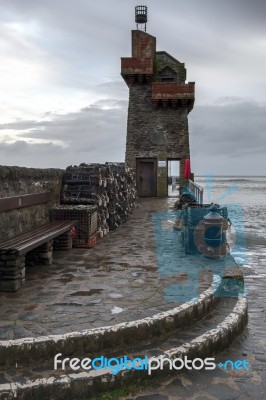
(85, 234)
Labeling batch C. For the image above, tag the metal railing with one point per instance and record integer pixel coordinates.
(197, 190)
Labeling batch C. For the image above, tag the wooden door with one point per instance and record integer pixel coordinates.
(146, 178)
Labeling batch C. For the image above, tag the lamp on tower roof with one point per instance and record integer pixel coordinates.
(141, 17)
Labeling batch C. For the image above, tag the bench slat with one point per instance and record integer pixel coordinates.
(24, 236)
(36, 237)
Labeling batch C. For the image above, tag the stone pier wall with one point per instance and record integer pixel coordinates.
(15, 181)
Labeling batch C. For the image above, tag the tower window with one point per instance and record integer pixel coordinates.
(167, 75)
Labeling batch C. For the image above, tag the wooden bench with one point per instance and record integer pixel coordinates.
(33, 246)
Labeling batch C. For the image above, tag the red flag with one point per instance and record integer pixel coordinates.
(187, 169)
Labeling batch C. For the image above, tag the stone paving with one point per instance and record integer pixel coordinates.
(251, 345)
(116, 281)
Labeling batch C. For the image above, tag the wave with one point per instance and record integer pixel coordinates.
(216, 180)
(247, 240)
(231, 176)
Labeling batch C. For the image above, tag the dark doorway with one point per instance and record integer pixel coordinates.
(173, 177)
(147, 177)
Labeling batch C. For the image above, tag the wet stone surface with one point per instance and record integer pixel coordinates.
(229, 384)
(74, 294)
(116, 281)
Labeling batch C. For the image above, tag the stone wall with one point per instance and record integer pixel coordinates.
(16, 181)
(160, 133)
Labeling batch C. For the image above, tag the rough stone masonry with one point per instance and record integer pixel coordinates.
(159, 103)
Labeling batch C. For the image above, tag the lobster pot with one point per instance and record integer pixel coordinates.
(87, 217)
(110, 186)
(80, 194)
(89, 173)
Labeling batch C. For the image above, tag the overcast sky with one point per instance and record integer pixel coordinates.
(63, 101)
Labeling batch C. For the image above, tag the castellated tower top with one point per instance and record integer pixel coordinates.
(163, 72)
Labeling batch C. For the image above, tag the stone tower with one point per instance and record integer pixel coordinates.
(159, 103)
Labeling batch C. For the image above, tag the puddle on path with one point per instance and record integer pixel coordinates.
(113, 295)
(90, 292)
(117, 310)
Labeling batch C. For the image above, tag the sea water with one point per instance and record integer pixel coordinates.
(245, 197)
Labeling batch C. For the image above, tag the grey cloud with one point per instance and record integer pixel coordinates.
(50, 155)
(98, 133)
(224, 133)
(85, 40)
(110, 103)
(81, 43)
(103, 111)
(21, 153)
(21, 125)
(99, 27)
(235, 130)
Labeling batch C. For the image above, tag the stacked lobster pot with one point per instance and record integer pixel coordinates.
(110, 186)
